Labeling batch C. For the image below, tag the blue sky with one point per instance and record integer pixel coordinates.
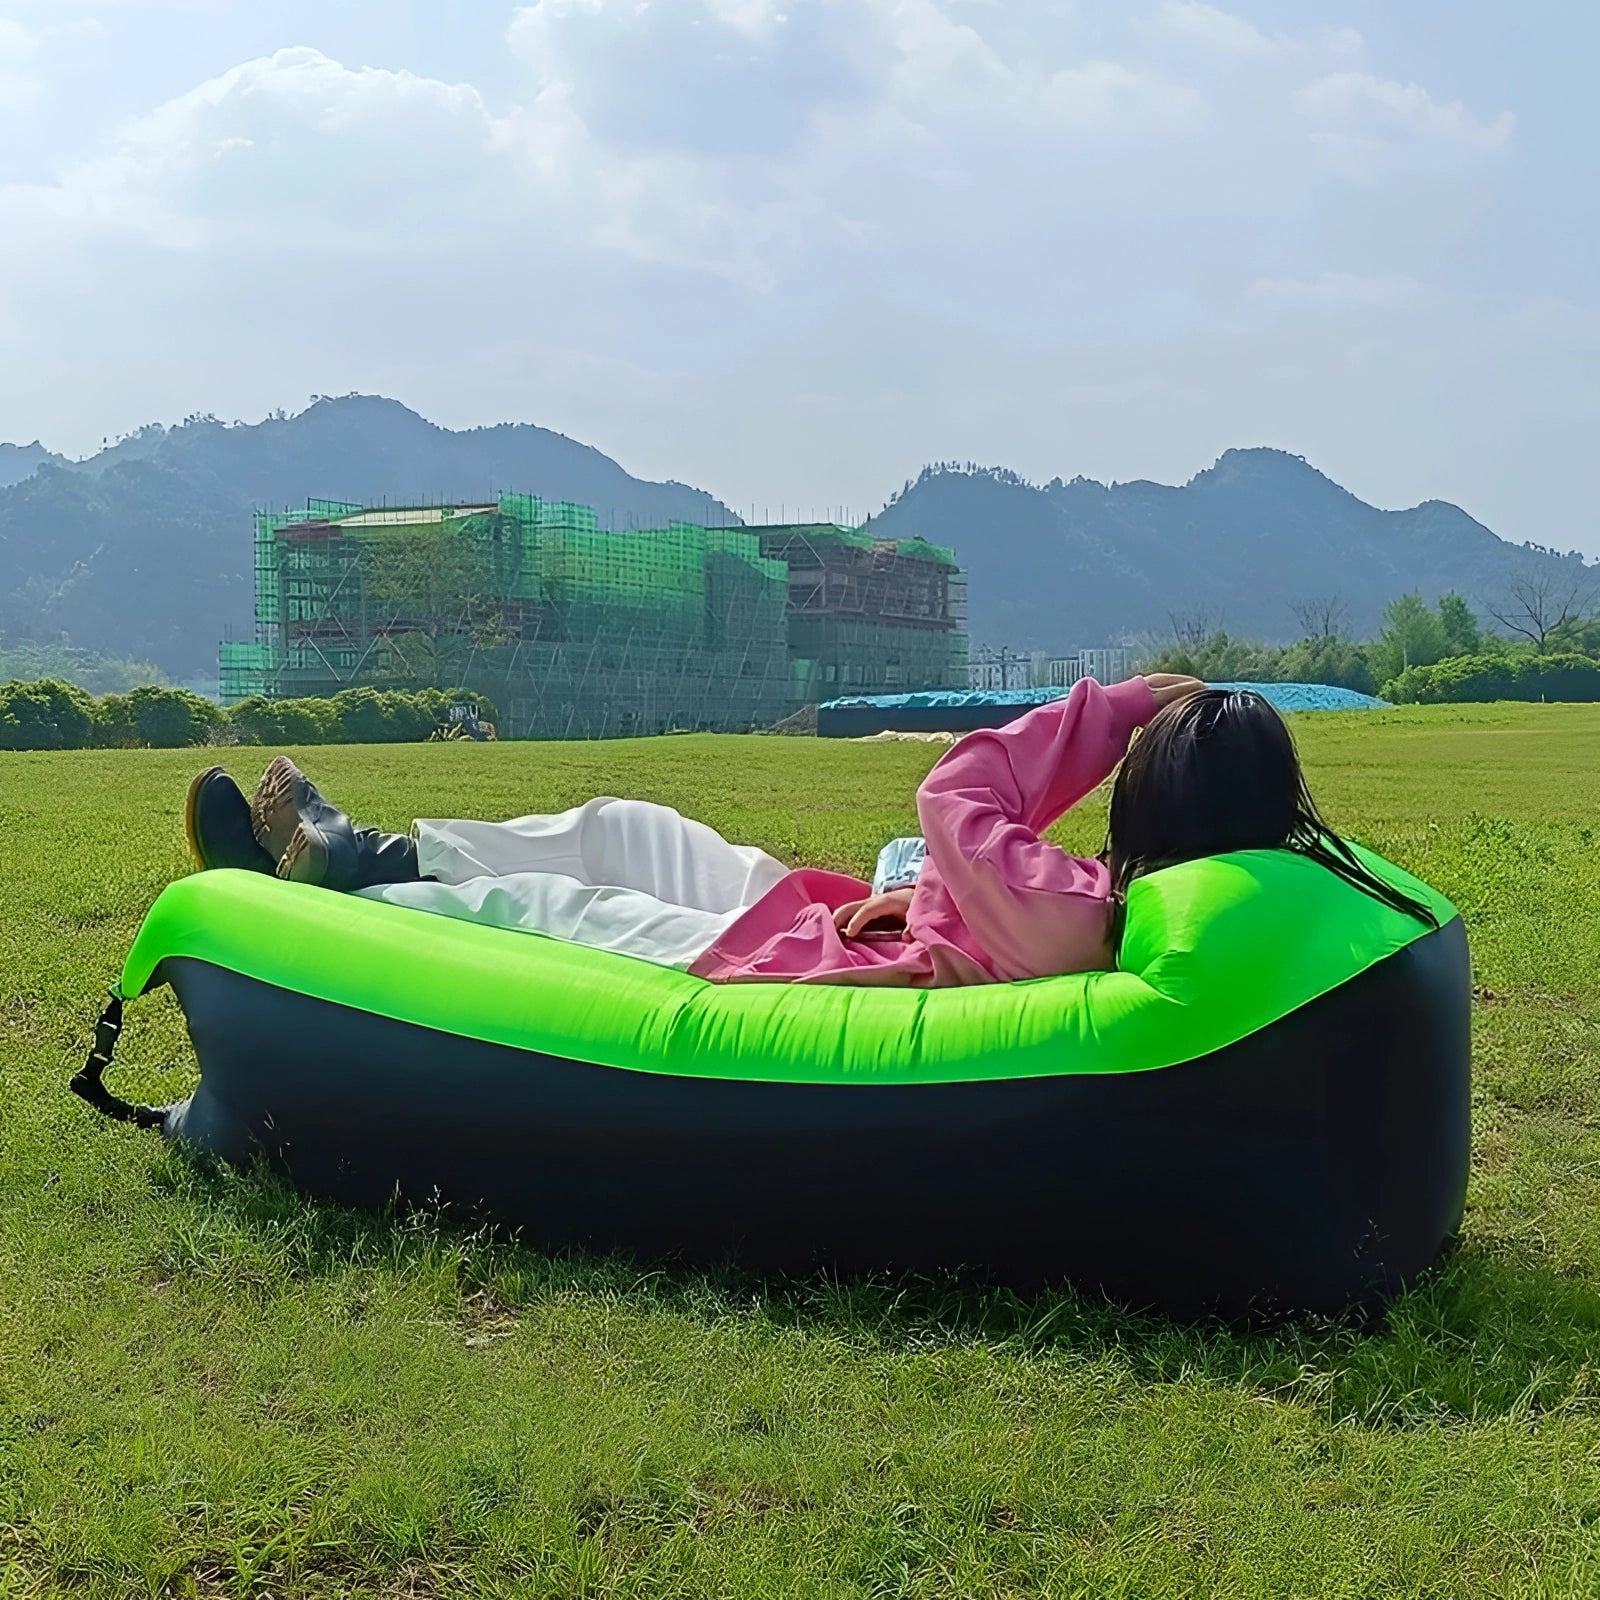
(789, 250)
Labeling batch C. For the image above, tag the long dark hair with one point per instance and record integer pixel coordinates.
(1218, 772)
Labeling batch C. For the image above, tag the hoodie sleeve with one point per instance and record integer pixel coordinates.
(1029, 905)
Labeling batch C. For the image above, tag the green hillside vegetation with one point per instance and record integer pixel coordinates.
(210, 1387)
(94, 673)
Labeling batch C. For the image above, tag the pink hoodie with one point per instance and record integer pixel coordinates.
(995, 902)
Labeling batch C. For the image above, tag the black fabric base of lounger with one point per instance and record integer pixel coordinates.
(1317, 1163)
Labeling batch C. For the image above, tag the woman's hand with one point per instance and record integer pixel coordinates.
(1170, 686)
(882, 913)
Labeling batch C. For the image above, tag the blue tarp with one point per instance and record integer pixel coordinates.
(943, 699)
(1285, 696)
(1310, 696)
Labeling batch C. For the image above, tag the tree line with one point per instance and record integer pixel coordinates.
(1547, 646)
(49, 714)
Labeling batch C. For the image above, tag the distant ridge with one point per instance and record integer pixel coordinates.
(144, 549)
(1063, 564)
(18, 461)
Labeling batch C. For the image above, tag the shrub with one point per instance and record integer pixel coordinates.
(53, 715)
(1558, 677)
(1499, 677)
(258, 720)
(168, 719)
(45, 715)
(381, 716)
(1220, 658)
(364, 715)
(1328, 659)
(113, 724)
(254, 720)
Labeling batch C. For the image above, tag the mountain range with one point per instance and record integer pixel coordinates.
(18, 461)
(144, 550)
(1236, 547)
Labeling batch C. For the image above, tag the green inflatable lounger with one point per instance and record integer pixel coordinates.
(1264, 1106)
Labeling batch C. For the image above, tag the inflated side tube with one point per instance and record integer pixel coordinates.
(1264, 1107)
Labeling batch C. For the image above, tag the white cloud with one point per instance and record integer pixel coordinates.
(937, 63)
(767, 244)
(18, 86)
(279, 149)
(1358, 97)
(1108, 97)
(1366, 122)
(757, 19)
(1190, 23)
(738, 138)
(779, 141)
(1207, 37)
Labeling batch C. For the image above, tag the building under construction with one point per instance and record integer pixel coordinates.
(580, 632)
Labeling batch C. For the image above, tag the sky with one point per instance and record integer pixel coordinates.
(791, 250)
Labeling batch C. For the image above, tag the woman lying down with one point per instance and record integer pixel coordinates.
(981, 898)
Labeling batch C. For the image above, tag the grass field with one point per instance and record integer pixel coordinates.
(208, 1387)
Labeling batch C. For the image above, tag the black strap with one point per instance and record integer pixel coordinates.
(89, 1081)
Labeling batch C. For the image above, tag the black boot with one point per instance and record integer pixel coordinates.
(315, 842)
(332, 853)
(216, 822)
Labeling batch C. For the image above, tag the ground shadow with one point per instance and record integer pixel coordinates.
(1478, 1337)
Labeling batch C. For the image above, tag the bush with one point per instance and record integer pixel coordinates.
(45, 715)
(364, 715)
(1328, 659)
(1221, 658)
(254, 720)
(1498, 677)
(1558, 677)
(53, 715)
(258, 720)
(169, 719)
(382, 716)
(113, 724)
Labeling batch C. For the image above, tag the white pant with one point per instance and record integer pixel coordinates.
(622, 875)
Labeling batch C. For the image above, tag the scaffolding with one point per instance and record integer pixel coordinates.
(582, 632)
(869, 616)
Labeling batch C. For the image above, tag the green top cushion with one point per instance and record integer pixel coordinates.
(1213, 951)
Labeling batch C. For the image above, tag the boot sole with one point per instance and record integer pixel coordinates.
(191, 814)
(272, 798)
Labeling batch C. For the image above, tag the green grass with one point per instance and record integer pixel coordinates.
(210, 1387)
